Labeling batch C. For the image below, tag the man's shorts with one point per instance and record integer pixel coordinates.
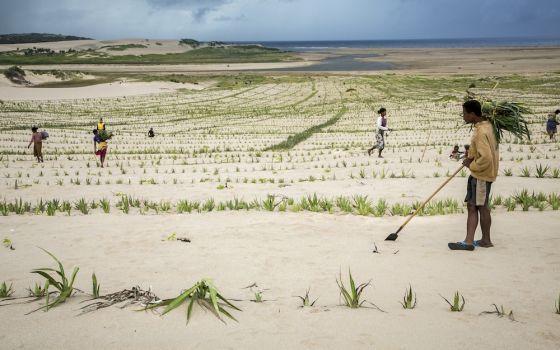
(478, 192)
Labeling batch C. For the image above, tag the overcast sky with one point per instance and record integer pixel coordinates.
(246, 20)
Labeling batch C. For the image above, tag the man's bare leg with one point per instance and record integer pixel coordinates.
(472, 223)
(485, 224)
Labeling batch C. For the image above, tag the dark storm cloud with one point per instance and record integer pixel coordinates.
(283, 19)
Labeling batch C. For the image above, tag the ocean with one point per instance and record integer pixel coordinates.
(358, 62)
(409, 43)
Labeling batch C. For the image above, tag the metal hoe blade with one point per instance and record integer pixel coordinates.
(392, 237)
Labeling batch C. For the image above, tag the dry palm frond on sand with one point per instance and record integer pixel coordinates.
(134, 296)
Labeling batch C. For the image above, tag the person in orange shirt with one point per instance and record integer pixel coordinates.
(482, 161)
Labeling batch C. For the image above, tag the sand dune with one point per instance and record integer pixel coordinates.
(9, 91)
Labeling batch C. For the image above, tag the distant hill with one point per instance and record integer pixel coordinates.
(36, 38)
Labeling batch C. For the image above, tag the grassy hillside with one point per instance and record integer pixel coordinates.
(36, 38)
(225, 54)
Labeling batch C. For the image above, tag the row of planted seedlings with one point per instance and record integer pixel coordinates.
(357, 204)
(58, 287)
(541, 171)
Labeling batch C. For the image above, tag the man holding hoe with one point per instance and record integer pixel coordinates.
(482, 161)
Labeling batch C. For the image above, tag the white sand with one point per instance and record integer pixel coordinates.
(9, 91)
(286, 254)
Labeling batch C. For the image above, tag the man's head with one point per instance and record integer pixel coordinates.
(472, 111)
(557, 111)
(101, 120)
(95, 131)
(34, 129)
(456, 148)
(382, 111)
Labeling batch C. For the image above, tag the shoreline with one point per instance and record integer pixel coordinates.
(452, 61)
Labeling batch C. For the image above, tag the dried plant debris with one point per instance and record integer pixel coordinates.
(500, 312)
(134, 296)
(173, 237)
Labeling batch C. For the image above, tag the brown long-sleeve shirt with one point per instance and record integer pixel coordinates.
(484, 151)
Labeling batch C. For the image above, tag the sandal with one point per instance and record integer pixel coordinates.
(461, 246)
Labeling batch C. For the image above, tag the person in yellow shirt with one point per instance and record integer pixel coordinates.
(100, 124)
(482, 161)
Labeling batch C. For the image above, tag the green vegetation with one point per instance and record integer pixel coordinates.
(190, 42)
(352, 295)
(124, 47)
(304, 135)
(5, 290)
(409, 299)
(38, 291)
(258, 297)
(95, 286)
(36, 38)
(306, 300)
(226, 54)
(357, 204)
(504, 116)
(15, 74)
(206, 295)
(457, 306)
(65, 286)
(7, 243)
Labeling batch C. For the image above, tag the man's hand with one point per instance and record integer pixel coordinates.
(467, 162)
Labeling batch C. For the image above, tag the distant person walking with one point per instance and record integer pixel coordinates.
(37, 141)
(100, 124)
(552, 124)
(99, 146)
(151, 132)
(381, 128)
(482, 160)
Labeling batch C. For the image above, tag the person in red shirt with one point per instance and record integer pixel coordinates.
(37, 141)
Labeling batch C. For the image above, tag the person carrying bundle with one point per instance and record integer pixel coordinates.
(37, 141)
(552, 124)
(100, 145)
(488, 121)
(482, 161)
(381, 127)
